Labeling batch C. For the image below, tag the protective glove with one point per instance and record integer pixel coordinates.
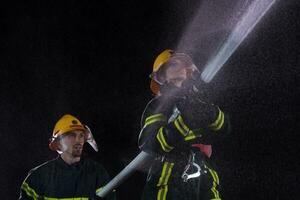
(194, 117)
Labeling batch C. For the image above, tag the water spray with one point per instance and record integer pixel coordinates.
(253, 15)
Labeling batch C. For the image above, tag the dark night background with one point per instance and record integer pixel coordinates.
(92, 60)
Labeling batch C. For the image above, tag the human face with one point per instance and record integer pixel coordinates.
(176, 75)
(72, 143)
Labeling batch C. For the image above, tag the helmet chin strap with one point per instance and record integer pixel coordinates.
(62, 148)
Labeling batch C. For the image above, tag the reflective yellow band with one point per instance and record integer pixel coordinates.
(163, 181)
(184, 130)
(215, 182)
(216, 176)
(183, 124)
(183, 133)
(165, 174)
(162, 141)
(162, 193)
(214, 190)
(99, 189)
(217, 125)
(31, 193)
(154, 118)
(152, 121)
(189, 137)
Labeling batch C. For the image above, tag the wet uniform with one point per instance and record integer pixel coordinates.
(56, 179)
(172, 130)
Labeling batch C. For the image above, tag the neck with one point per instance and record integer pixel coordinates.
(69, 159)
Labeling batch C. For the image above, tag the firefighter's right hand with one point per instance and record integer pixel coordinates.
(200, 117)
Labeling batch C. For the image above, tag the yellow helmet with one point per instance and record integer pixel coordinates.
(64, 125)
(162, 58)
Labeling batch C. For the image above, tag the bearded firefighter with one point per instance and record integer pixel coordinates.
(70, 175)
(178, 129)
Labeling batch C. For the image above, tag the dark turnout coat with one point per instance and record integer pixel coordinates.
(56, 179)
(179, 133)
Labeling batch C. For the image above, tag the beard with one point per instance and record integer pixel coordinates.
(77, 150)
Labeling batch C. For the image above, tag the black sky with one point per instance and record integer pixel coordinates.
(92, 60)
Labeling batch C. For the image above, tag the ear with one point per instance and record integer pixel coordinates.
(55, 146)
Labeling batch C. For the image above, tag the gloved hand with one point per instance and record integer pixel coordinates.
(195, 112)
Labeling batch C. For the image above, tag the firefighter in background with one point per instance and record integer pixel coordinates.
(70, 175)
(178, 128)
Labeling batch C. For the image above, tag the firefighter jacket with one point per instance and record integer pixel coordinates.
(172, 131)
(56, 179)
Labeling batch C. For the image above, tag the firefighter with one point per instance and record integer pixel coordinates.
(179, 128)
(70, 175)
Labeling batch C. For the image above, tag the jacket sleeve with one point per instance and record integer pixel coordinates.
(102, 179)
(157, 136)
(201, 121)
(24, 195)
(151, 122)
(30, 188)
